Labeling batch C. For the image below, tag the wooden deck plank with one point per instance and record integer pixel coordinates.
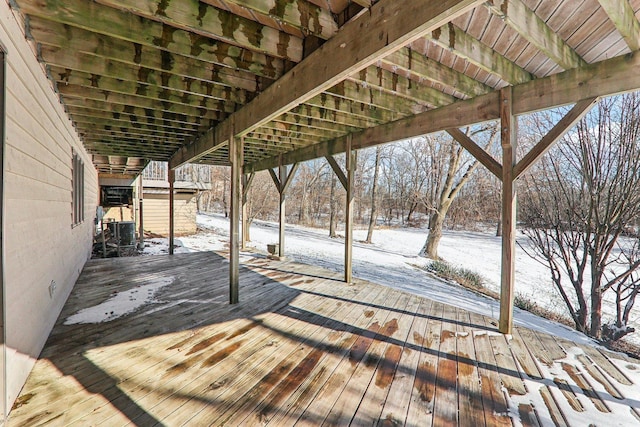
(493, 399)
(312, 349)
(310, 369)
(421, 403)
(369, 411)
(353, 371)
(471, 411)
(302, 348)
(445, 407)
(394, 411)
(263, 359)
(351, 347)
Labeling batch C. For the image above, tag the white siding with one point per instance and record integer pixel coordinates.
(41, 245)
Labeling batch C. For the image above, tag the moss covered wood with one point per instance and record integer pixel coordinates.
(460, 43)
(107, 21)
(526, 23)
(396, 23)
(424, 68)
(200, 18)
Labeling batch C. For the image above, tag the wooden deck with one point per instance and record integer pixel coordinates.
(303, 348)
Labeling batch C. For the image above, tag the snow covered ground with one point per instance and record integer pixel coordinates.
(392, 260)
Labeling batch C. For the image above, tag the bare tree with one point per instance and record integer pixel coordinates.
(373, 214)
(577, 209)
(449, 180)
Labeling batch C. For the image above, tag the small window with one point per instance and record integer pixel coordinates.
(77, 181)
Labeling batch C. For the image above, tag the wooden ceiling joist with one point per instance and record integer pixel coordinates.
(398, 86)
(396, 24)
(101, 109)
(209, 110)
(463, 45)
(208, 21)
(526, 23)
(431, 70)
(186, 92)
(305, 16)
(624, 18)
(107, 21)
(613, 76)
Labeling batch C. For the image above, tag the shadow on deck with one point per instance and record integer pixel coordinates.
(301, 348)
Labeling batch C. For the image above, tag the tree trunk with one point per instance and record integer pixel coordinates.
(332, 204)
(224, 198)
(374, 212)
(595, 328)
(436, 223)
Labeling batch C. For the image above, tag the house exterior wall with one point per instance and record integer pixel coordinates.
(43, 251)
(155, 213)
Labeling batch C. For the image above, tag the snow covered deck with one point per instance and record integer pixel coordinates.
(152, 340)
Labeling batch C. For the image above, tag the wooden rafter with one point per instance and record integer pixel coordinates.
(189, 93)
(463, 45)
(92, 49)
(344, 54)
(200, 18)
(526, 23)
(303, 15)
(126, 26)
(431, 70)
(623, 17)
(609, 77)
(379, 79)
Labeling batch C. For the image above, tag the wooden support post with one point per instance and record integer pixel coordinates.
(235, 157)
(350, 164)
(140, 214)
(282, 172)
(509, 135)
(172, 177)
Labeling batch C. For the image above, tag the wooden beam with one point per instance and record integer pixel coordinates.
(399, 86)
(136, 80)
(171, 176)
(459, 114)
(338, 171)
(108, 21)
(304, 15)
(525, 22)
(396, 23)
(433, 71)
(558, 131)
(275, 179)
(140, 213)
(214, 23)
(81, 83)
(209, 110)
(282, 213)
(463, 45)
(623, 17)
(608, 77)
(350, 165)
(235, 157)
(476, 151)
(509, 135)
(290, 175)
(92, 108)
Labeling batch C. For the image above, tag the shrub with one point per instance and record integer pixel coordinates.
(463, 276)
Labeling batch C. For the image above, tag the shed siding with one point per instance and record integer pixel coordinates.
(41, 246)
(156, 214)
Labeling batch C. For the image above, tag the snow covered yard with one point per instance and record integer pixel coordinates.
(392, 260)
